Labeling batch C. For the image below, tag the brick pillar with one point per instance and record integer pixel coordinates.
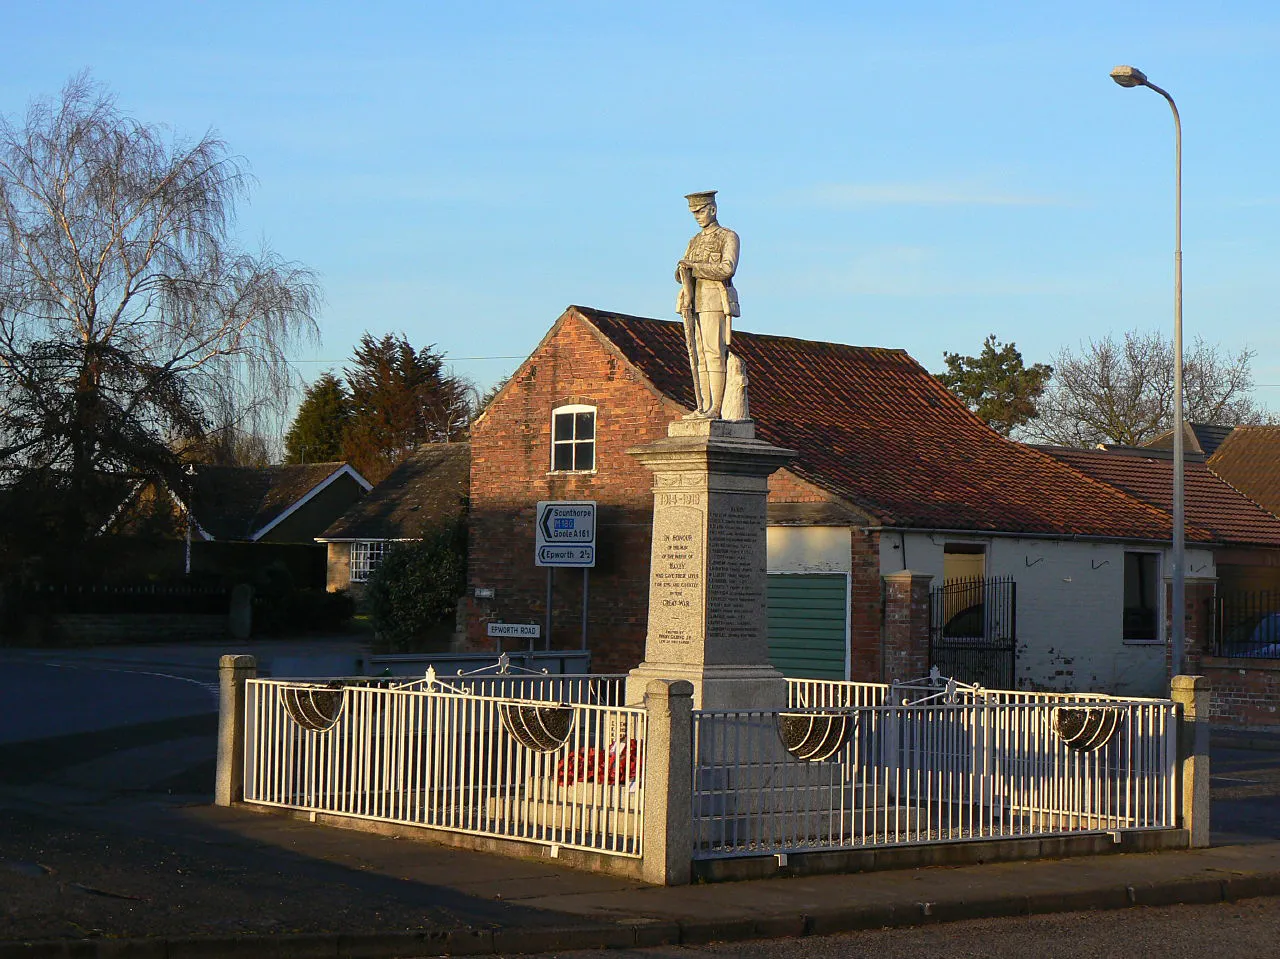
(1199, 625)
(1192, 694)
(906, 626)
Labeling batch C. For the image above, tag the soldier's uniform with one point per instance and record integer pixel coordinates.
(714, 253)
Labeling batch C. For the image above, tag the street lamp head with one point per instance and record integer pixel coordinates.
(1129, 77)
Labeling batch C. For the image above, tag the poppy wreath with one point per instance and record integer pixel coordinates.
(624, 761)
(584, 766)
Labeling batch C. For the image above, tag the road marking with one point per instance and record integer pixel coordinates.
(213, 688)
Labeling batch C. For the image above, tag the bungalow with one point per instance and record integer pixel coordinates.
(269, 504)
(1233, 606)
(428, 488)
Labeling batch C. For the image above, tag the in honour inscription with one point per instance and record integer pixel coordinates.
(675, 584)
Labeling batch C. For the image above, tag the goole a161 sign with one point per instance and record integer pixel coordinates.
(565, 533)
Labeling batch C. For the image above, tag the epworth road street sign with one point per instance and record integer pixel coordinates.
(565, 533)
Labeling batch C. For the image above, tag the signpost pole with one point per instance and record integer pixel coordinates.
(546, 642)
(586, 584)
(565, 535)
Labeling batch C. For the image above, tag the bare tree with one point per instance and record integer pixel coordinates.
(130, 320)
(1122, 392)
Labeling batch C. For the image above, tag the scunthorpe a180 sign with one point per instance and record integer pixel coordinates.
(565, 533)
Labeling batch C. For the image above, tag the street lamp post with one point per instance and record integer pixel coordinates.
(1133, 77)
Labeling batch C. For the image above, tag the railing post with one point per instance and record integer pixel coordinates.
(233, 673)
(1192, 694)
(668, 783)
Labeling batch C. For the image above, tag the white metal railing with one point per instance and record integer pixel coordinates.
(814, 693)
(432, 754)
(598, 690)
(938, 772)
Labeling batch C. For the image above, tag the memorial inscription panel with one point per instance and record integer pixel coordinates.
(676, 588)
(736, 573)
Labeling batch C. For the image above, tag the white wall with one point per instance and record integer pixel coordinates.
(809, 549)
(1070, 608)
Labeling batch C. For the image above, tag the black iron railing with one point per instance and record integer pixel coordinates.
(974, 630)
(1247, 624)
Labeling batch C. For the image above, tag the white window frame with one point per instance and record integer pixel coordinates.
(573, 409)
(366, 554)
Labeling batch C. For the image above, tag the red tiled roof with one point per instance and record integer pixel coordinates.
(1219, 511)
(875, 428)
(1249, 459)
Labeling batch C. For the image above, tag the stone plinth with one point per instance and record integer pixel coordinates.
(707, 574)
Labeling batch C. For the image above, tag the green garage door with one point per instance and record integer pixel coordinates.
(807, 624)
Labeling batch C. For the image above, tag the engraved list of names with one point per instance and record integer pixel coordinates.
(736, 572)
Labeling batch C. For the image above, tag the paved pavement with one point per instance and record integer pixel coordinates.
(108, 847)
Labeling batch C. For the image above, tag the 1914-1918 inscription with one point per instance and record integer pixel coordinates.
(675, 584)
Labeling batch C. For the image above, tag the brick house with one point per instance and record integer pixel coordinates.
(428, 488)
(895, 487)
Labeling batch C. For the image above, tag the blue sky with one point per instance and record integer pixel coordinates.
(910, 175)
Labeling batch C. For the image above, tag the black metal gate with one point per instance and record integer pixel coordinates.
(973, 630)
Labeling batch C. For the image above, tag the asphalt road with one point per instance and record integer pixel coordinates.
(1246, 796)
(43, 700)
(124, 720)
(1238, 930)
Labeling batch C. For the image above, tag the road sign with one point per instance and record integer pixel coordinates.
(566, 556)
(515, 630)
(565, 533)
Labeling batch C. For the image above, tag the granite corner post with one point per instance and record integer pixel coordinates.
(667, 859)
(708, 620)
(233, 673)
(1192, 694)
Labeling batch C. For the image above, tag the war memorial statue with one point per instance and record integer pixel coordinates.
(708, 302)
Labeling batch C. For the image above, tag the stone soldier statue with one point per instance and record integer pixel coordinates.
(708, 302)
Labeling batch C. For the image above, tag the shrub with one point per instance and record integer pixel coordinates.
(417, 586)
(281, 607)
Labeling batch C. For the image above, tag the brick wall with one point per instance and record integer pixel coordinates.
(510, 462)
(1243, 692)
(94, 628)
(786, 487)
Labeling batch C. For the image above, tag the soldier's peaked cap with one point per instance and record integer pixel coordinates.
(700, 199)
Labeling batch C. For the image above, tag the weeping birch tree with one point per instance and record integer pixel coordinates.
(132, 323)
